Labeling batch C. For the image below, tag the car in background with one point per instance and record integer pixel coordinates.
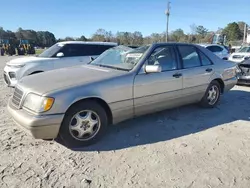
(241, 55)
(244, 74)
(78, 103)
(60, 55)
(219, 50)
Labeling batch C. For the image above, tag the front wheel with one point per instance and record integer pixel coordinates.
(83, 124)
(212, 95)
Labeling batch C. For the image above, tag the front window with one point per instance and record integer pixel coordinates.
(120, 57)
(165, 57)
(245, 49)
(50, 52)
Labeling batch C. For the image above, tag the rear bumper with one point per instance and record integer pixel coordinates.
(40, 127)
(244, 82)
(230, 83)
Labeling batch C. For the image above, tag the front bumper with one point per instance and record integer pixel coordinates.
(39, 126)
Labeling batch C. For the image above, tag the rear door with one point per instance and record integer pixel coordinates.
(197, 70)
(92, 50)
(72, 56)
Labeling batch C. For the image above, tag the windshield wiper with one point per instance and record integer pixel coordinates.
(108, 66)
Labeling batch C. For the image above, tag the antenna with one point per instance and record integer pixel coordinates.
(167, 12)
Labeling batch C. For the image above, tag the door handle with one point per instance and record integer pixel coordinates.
(177, 75)
(209, 70)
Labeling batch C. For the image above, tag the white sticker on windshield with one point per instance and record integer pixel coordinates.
(135, 55)
(61, 45)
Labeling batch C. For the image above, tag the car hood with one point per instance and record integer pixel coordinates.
(65, 78)
(25, 60)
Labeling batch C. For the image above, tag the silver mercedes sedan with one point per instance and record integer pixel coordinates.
(78, 103)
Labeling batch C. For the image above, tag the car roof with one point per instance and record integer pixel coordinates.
(171, 43)
(207, 44)
(89, 42)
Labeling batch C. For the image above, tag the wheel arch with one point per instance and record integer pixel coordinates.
(222, 85)
(100, 101)
(35, 72)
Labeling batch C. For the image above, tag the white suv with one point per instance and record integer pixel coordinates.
(60, 55)
(219, 50)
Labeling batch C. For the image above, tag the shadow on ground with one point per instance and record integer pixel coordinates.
(171, 124)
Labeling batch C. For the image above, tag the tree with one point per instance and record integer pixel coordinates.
(241, 25)
(193, 29)
(177, 35)
(232, 31)
(202, 31)
(100, 35)
(82, 38)
(137, 38)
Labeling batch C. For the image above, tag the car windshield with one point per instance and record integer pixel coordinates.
(120, 57)
(50, 52)
(245, 49)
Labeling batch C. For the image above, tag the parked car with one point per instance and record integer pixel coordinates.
(62, 54)
(219, 50)
(244, 75)
(242, 54)
(78, 103)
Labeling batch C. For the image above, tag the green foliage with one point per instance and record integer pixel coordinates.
(232, 31)
(202, 31)
(37, 38)
(199, 34)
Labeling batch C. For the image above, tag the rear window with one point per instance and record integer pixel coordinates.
(215, 48)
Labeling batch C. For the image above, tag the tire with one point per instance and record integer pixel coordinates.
(208, 103)
(77, 114)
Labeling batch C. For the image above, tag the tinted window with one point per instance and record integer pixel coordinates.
(102, 48)
(190, 57)
(71, 50)
(204, 60)
(165, 57)
(215, 48)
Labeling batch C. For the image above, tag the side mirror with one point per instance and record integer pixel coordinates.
(60, 54)
(152, 68)
(91, 58)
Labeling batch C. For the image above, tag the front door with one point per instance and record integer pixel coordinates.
(158, 91)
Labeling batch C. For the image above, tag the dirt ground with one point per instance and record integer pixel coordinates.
(188, 147)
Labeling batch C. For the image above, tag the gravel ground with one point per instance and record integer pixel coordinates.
(182, 148)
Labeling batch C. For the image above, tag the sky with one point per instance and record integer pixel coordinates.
(83, 17)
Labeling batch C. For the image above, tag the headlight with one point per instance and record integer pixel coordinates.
(16, 66)
(38, 103)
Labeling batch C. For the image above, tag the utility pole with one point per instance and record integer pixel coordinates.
(245, 31)
(167, 12)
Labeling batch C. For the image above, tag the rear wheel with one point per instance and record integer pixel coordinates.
(83, 124)
(212, 95)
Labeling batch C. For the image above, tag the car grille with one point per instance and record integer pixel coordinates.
(17, 97)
